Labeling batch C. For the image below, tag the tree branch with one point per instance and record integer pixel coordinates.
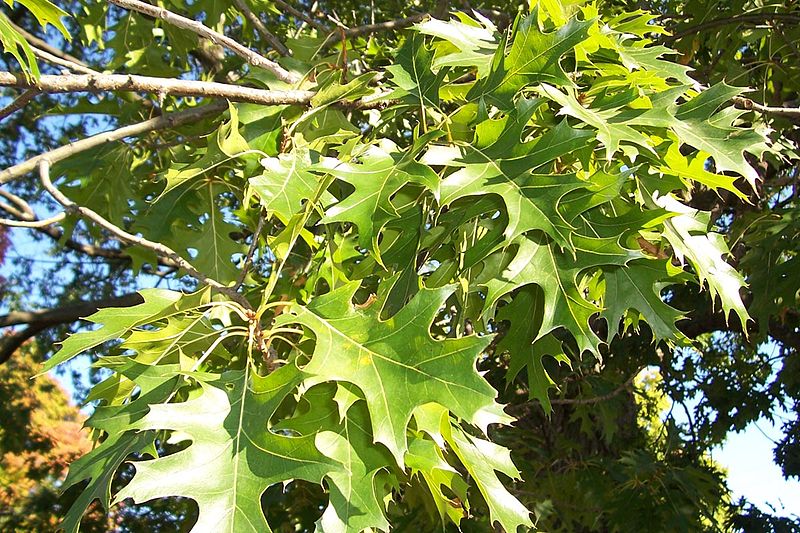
(746, 103)
(597, 399)
(47, 47)
(77, 67)
(18, 103)
(28, 219)
(300, 15)
(33, 223)
(253, 58)
(11, 343)
(162, 86)
(262, 30)
(67, 313)
(358, 31)
(158, 123)
(38, 321)
(747, 18)
(124, 236)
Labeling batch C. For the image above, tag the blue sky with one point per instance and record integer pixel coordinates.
(752, 471)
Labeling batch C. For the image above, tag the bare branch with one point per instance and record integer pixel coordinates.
(124, 236)
(158, 123)
(746, 103)
(358, 31)
(38, 321)
(18, 103)
(253, 58)
(67, 313)
(262, 30)
(25, 213)
(163, 86)
(747, 18)
(302, 16)
(20, 203)
(597, 399)
(33, 223)
(11, 343)
(77, 67)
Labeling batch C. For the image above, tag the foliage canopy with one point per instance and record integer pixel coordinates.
(383, 237)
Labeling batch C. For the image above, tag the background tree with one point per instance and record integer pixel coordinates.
(374, 211)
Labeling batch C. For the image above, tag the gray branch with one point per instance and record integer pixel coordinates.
(253, 58)
(129, 238)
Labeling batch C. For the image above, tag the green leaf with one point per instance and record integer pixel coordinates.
(531, 200)
(473, 40)
(638, 285)
(688, 234)
(698, 124)
(610, 133)
(45, 13)
(411, 72)
(376, 178)
(14, 43)
(156, 384)
(226, 144)
(116, 321)
(483, 459)
(287, 181)
(694, 169)
(233, 456)
(524, 313)
(557, 273)
(534, 58)
(334, 91)
(395, 362)
(425, 459)
(356, 499)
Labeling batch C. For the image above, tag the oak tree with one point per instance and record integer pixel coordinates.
(359, 267)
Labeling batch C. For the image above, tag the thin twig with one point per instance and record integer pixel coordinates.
(300, 15)
(746, 18)
(358, 31)
(19, 202)
(68, 150)
(746, 103)
(248, 259)
(162, 86)
(47, 47)
(262, 30)
(33, 223)
(18, 103)
(597, 399)
(253, 58)
(25, 213)
(129, 238)
(61, 62)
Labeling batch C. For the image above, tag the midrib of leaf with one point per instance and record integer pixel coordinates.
(388, 359)
(419, 92)
(644, 299)
(522, 196)
(564, 293)
(236, 448)
(212, 217)
(542, 53)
